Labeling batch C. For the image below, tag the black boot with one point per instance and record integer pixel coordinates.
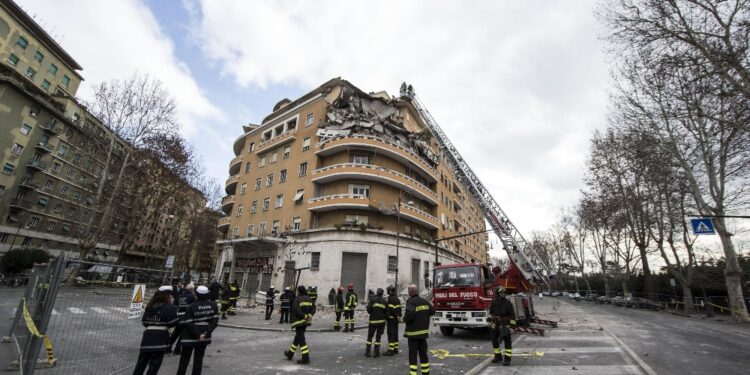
(506, 361)
(289, 355)
(389, 353)
(498, 358)
(367, 351)
(177, 350)
(305, 360)
(223, 315)
(377, 351)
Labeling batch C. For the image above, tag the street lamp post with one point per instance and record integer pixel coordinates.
(398, 237)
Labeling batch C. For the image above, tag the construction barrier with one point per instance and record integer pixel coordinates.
(34, 331)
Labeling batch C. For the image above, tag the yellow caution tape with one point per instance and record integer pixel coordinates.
(722, 308)
(442, 354)
(34, 331)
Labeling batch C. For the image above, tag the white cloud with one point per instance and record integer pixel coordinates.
(518, 86)
(113, 40)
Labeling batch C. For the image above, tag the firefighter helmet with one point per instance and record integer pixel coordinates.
(391, 289)
(500, 291)
(341, 288)
(351, 286)
(379, 292)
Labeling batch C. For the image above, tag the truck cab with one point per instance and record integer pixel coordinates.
(462, 294)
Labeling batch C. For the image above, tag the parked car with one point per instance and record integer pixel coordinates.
(591, 297)
(555, 294)
(604, 300)
(618, 301)
(643, 303)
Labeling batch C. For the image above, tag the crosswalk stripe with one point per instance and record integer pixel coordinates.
(54, 312)
(571, 350)
(76, 310)
(121, 309)
(100, 310)
(572, 338)
(567, 370)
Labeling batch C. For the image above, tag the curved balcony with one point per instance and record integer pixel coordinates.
(44, 147)
(381, 146)
(36, 165)
(224, 222)
(235, 165)
(227, 203)
(275, 142)
(419, 216)
(239, 144)
(374, 173)
(338, 201)
(49, 127)
(231, 185)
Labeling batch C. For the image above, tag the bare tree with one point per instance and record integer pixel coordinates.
(576, 239)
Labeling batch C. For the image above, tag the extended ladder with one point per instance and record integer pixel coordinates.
(525, 258)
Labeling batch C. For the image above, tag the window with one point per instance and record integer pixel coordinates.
(275, 228)
(56, 167)
(299, 195)
(252, 146)
(274, 156)
(33, 222)
(282, 176)
(58, 208)
(13, 59)
(243, 188)
(42, 202)
(291, 125)
(71, 211)
(360, 190)
(85, 215)
(296, 224)
(262, 162)
(355, 219)
(360, 159)
(26, 241)
(392, 264)
(309, 120)
(62, 150)
(51, 225)
(2, 190)
(66, 227)
(235, 232)
(38, 56)
(279, 200)
(25, 129)
(262, 229)
(66, 80)
(77, 158)
(287, 152)
(407, 229)
(315, 261)
(303, 169)
(64, 189)
(250, 230)
(52, 69)
(72, 173)
(9, 168)
(16, 149)
(46, 84)
(254, 207)
(22, 42)
(30, 73)
(34, 111)
(266, 203)
(269, 180)
(306, 144)
(248, 165)
(239, 210)
(258, 181)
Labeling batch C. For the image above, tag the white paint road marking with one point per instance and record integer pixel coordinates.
(121, 309)
(572, 338)
(566, 370)
(76, 310)
(100, 310)
(54, 312)
(571, 350)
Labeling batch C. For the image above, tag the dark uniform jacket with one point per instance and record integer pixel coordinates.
(302, 311)
(157, 319)
(417, 318)
(313, 293)
(377, 309)
(270, 295)
(214, 288)
(351, 300)
(503, 311)
(394, 308)
(201, 317)
(286, 300)
(184, 299)
(225, 294)
(338, 305)
(234, 292)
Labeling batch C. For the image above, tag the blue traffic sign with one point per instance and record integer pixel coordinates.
(703, 225)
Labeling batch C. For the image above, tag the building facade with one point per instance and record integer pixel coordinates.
(324, 188)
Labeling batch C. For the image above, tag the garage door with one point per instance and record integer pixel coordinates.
(289, 274)
(354, 270)
(252, 285)
(415, 273)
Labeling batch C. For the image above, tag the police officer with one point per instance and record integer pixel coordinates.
(417, 319)
(502, 315)
(312, 292)
(160, 314)
(394, 316)
(201, 318)
(270, 295)
(349, 306)
(303, 310)
(184, 299)
(224, 300)
(234, 295)
(338, 307)
(286, 303)
(376, 307)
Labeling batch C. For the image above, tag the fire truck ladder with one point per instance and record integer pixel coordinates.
(525, 258)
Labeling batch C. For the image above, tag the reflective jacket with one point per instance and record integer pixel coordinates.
(302, 311)
(501, 309)
(201, 317)
(286, 300)
(394, 307)
(417, 318)
(376, 307)
(234, 292)
(157, 321)
(351, 301)
(270, 295)
(338, 305)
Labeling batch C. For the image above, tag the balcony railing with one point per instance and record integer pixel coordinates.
(224, 221)
(50, 127)
(232, 180)
(423, 216)
(20, 204)
(278, 140)
(227, 203)
(37, 165)
(44, 147)
(338, 201)
(390, 176)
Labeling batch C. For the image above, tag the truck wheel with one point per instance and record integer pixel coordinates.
(446, 331)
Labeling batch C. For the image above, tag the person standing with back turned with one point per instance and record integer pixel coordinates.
(303, 310)
(201, 318)
(160, 314)
(417, 319)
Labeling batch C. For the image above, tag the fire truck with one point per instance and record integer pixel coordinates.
(462, 293)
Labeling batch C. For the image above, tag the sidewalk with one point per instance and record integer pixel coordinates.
(252, 317)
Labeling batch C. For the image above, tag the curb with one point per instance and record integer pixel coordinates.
(484, 364)
(264, 329)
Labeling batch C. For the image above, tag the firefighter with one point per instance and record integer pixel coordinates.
(184, 299)
(312, 292)
(351, 304)
(270, 295)
(417, 319)
(394, 316)
(234, 295)
(377, 309)
(160, 314)
(338, 307)
(502, 315)
(286, 300)
(215, 289)
(302, 312)
(224, 300)
(201, 318)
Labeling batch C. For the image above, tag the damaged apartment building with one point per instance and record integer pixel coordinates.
(338, 187)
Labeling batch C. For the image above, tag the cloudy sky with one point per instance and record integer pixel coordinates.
(517, 85)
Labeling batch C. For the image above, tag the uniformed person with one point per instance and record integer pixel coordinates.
(215, 288)
(338, 307)
(160, 314)
(349, 306)
(234, 295)
(201, 318)
(502, 315)
(312, 292)
(376, 307)
(394, 316)
(302, 312)
(270, 296)
(224, 300)
(417, 319)
(286, 300)
(184, 299)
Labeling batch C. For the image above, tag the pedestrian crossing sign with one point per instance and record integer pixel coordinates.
(703, 225)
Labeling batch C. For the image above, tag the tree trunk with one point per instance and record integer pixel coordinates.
(687, 298)
(586, 281)
(732, 273)
(648, 278)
